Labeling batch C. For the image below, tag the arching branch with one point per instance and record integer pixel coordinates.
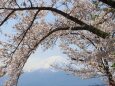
(85, 26)
(62, 29)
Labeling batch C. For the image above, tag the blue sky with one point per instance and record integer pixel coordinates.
(48, 78)
(43, 59)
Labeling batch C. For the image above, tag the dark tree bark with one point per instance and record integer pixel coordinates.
(109, 2)
(107, 72)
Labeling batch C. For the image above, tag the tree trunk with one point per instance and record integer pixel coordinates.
(107, 72)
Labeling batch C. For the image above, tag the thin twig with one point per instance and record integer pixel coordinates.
(6, 18)
(31, 3)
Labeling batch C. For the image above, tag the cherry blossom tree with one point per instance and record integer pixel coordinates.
(87, 24)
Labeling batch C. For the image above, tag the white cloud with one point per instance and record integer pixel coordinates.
(45, 63)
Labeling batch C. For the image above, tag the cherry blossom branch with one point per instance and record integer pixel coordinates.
(6, 18)
(24, 34)
(90, 28)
